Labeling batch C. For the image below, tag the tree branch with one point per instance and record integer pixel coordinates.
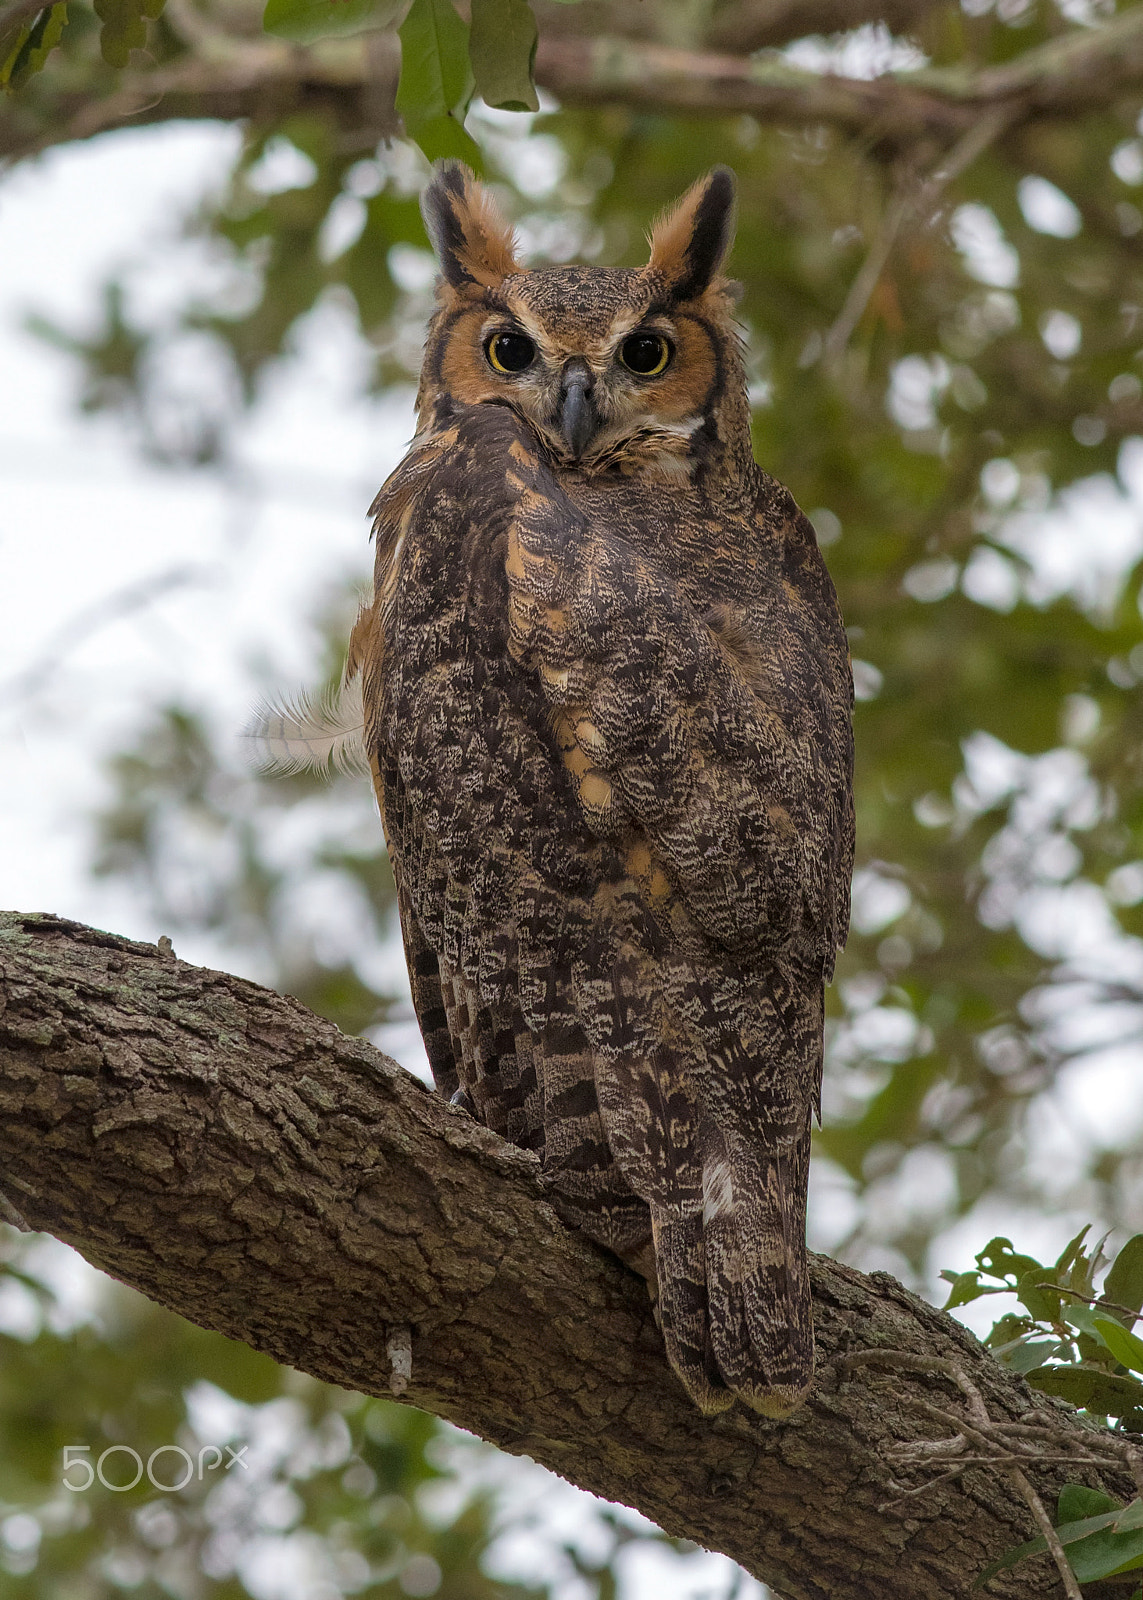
(741, 26)
(260, 78)
(1082, 70)
(241, 1161)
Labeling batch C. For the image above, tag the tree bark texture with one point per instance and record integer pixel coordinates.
(240, 1161)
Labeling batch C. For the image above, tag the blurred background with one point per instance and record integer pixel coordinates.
(209, 339)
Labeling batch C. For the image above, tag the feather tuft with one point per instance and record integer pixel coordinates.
(311, 732)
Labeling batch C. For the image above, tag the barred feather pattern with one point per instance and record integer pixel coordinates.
(609, 723)
(311, 732)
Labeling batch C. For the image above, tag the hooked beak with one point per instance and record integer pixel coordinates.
(577, 416)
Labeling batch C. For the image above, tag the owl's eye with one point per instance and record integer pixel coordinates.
(646, 354)
(510, 352)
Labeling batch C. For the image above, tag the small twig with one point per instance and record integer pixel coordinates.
(868, 274)
(932, 1483)
(910, 197)
(910, 1362)
(983, 1430)
(930, 1449)
(950, 1419)
(998, 1435)
(1095, 1300)
(1109, 1446)
(1052, 1538)
(11, 1216)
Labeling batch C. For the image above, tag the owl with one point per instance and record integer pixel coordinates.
(606, 702)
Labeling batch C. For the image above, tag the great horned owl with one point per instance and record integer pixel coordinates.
(607, 705)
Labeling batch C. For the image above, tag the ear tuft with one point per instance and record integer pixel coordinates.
(473, 242)
(690, 241)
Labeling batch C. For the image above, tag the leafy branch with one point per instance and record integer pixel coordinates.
(444, 60)
(1075, 1342)
(501, 54)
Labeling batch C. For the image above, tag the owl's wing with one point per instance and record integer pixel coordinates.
(495, 869)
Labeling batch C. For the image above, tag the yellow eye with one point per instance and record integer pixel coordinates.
(510, 352)
(645, 354)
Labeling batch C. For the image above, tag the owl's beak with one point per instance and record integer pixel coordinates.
(577, 415)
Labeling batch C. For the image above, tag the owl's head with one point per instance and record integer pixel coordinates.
(615, 369)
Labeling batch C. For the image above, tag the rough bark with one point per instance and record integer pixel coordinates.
(590, 55)
(239, 1160)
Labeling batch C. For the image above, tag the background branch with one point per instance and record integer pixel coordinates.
(241, 1161)
(232, 75)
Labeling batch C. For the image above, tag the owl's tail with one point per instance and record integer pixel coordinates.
(734, 1289)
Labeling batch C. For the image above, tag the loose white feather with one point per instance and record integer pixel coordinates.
(311, 733)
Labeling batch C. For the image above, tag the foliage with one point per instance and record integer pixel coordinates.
(436, 79)
(1100, 1537)
(1070, 1340)
(26, 43)
(1075, 1342)
(444, 59)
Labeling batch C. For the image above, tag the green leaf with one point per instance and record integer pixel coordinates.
(1073, 1250)
(1021, 1356)
(1034, 1290)
(1103, 1538)
(1104, 1553)
(1077, 1501)
(436, 78)
(441, 137)
(1070, 1533)
(436, 81)
(999, 1260)
(1126, 1347)
(502, 50)
(307, 20)
(1008, 1328)
(1109, 1333)
(1081, 1316)
(1124, 1281)
(124, 27)
(966, 1287)
(1106, 1394)
(25, 48)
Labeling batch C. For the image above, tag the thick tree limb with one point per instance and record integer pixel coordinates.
(1077, 72)
(241, 1161)
(239, 76)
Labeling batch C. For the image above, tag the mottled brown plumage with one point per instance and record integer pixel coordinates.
(607, 705)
